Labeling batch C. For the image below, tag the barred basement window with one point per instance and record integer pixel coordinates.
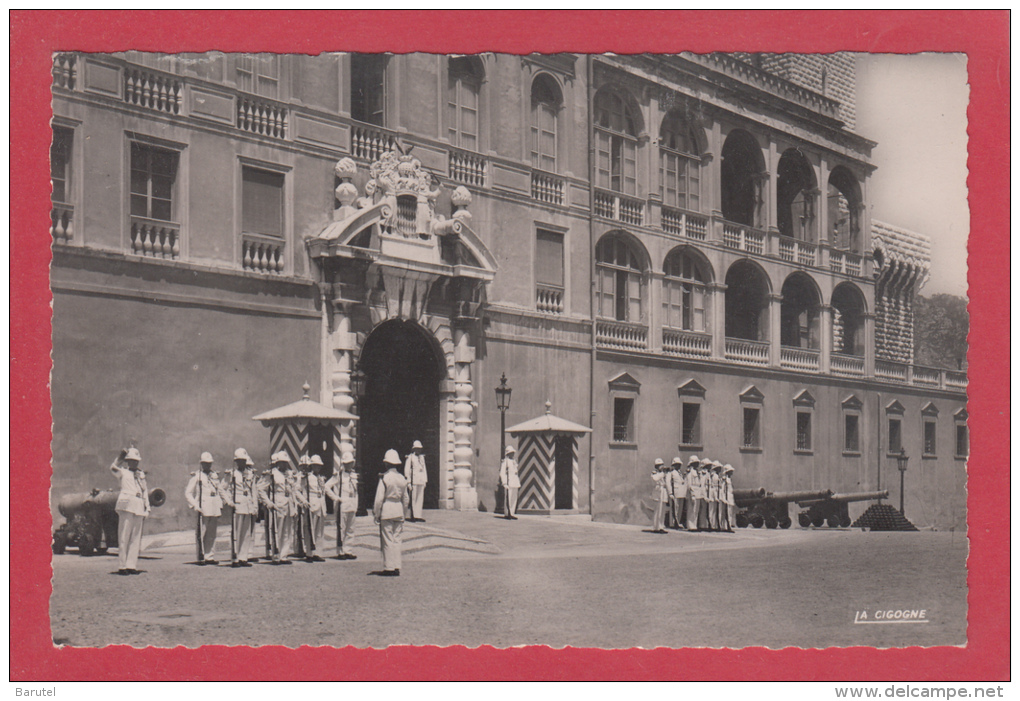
(962, 441)
(803, 431)
(895, 436)
(929, 438)
(623, 420)
(851, 434)
(752, 432)
(691, 429)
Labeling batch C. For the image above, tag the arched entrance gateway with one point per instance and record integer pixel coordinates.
(399, 402)
(402, 287)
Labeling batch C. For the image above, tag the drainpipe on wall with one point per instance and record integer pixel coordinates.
(878, 435)
(589, 59)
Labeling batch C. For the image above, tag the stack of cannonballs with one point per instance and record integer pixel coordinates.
(883, 517)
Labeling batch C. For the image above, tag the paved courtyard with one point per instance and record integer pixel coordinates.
(474, 579)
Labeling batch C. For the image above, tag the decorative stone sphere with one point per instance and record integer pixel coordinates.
(345, 168)
(346, 193)
(461, 197)
(405, 168)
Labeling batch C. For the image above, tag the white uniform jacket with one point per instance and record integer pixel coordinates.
(274, 490)
(713, 486)
(508, 475)
(677, 484)
(414, 470)
(391, 496)
(659, 491)
(134, 494)
(311, 493)
(697, 484)
(343, 488)
(202, 493)
(238, 491)
(727, 491)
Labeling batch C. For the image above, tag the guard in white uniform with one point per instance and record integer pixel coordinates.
(238, 492)
(660, 495)
(390, 501)
(417, 477)
(676, 482)
(274, 493)
(693, 485)
(511, 481)
(729, 500)
(132, 508)
(314, 527)
(203, 496)
(713, 495)
(342, 488)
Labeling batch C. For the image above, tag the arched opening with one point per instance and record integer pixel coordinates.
(747, 302)
(679, 163)
(368, 88)
(464, 87)
(616, 136)
(844, 209)
(684, 290)
(848, 310)
(399, 402)
(798, 326)
(620, 267)
(795, 199)
(546, 102)
(742, 166)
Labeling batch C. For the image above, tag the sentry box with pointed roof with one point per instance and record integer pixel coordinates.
(547, 462)
(305, 427)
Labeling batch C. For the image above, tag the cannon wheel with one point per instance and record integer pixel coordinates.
(86, 545)
(844, 521)
(785, 522)
(833, 521)
(771, 522)
(59, 542)
(757, 521)
(818, 521)
(742, 520)
(804, 519)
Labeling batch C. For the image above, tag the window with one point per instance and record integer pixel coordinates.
(752, 428)
(60, 164)
(620, 280)
(848, 315)
(261, 202)
(679, 164)
(747, 302)
(795, 199)
(683, 292)
(962, 443)
(623, 420)
(895, 436)
(798, 313)
(691, 429)
(549, 258)
(741, 174)
(259, 74)
(851, 433)
(804, 431)
(153, 172)
(464, 85)
(615, 144)
(844, 205)
(545, 107)
(929, 437)
(368, 87)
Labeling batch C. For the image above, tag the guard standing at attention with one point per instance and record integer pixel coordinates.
(417, 477)
(511, 481)
(299, 505)
(274, 493)
(713, 495)
(342, 488)
(390, 501)
(203, 496)
(132, 508)
(730, 519)
(236, 491)
(692, 502)
(660, 496)
(315, 496)
(677, 484)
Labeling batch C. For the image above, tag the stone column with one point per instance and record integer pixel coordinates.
(775, 317)
(342, 344)
(825, 341)
(717, 292)
(465, 496)
(869, 344)
(654, 318)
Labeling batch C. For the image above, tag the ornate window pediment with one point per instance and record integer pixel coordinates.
(804, 399)
(852, 402)
(692, 388)
(894, 407)
(625, 383)
(930, 409)
(752, 394)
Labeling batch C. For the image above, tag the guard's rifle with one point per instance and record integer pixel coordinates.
(308, 513)
(198, 522)
(253, 493)
(233, 517)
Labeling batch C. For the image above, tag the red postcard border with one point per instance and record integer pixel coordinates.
(983, 35)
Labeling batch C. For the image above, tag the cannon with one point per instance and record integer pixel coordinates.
(833, 509)
(758, 508)
(92, 520)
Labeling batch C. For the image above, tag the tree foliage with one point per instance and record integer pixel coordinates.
(941, 323)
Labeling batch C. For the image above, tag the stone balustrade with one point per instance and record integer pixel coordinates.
(160, 92)
(622, 335)
(846, 365)
(803, 359)
(845, 263)
(262, 254)
(800, 252)
(468, 167)
(685, 224)
(546, 187)
(369, 143)
(62, 222)
(549, 299)
(260, 116)
(65, 71)
(155, 239)
(747, 352)
(686, 344)
(622, 208)
(744, 238)
(927, 377)
(892, 370)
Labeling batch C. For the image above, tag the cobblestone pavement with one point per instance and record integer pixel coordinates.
(474, 579)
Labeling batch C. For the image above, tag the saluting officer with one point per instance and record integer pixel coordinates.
(234, 490)
(511, 481)
(660, 496)
(692, 502)
(203, 496)
(417, 477)
(274, 493)
(132, 508)
(390, 501)
(342, 488)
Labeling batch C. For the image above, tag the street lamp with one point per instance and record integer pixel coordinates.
(901, 463)
(357, 380)
(502, 403)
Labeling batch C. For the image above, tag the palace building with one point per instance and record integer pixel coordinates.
(675, 252)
